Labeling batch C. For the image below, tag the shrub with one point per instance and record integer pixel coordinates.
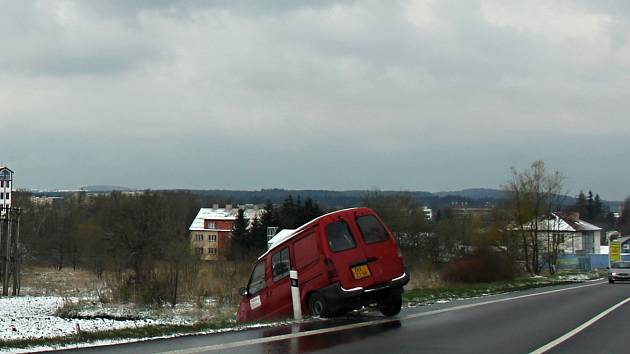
(480, 267)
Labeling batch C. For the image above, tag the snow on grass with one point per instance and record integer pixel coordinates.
(35, 317)
(575, 277)
(31, 317)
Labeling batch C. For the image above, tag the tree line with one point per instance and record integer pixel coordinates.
(143, 238)
(514, 229)
(140, 238)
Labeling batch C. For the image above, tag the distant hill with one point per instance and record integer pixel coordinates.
(471, 197)
(474, 193)
(105, 188)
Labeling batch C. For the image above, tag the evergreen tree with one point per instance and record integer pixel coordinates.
(288, 213)
(310, 211)
(266, 219)
(258, 234)
(599, 209)
(580, 203)
(590, 207)
(240, 236)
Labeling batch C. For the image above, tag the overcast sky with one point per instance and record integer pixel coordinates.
(402, 95)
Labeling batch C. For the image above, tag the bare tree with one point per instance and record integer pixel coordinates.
(532, 195)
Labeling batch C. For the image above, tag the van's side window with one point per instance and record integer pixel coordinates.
(371, 229)
(339, 236)
(257, 282)
(280, 264)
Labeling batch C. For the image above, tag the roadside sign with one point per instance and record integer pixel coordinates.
(614, 252)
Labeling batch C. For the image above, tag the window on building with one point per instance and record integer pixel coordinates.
(199, 237)
(212, 238)
(339, 236)
(1, 196)
(212, 225)
(212, 251)
(280, 264)
(1, 183)
(199, 250)
(7, 196)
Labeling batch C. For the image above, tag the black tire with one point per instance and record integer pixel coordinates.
(390, 304)
(317, 306)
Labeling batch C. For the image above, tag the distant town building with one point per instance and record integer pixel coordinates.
(461, 211)
(45, 201)
(6, 187)
(211, 231)
(577, 235)
(428, 213)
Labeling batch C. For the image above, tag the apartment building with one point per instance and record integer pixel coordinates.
(211, 231)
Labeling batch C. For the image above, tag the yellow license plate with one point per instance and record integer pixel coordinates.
(360, 272)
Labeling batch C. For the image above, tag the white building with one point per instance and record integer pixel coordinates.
(6, 187)
(428, 213)
(211, 230)
(578, 236)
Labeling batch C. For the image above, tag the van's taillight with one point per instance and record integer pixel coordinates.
(330, 268)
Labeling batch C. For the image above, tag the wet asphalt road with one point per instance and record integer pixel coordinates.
(520, 322)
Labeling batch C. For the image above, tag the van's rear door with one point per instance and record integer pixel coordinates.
(347, 254)
(379, 246)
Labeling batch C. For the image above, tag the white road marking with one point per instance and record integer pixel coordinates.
(577, 330)
(247, 342)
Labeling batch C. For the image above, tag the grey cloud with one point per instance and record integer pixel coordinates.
(341, 94)
(184, 9)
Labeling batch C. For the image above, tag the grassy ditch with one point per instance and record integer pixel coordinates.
(429, 295)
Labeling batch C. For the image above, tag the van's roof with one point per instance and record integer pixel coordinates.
(281, 236)
(289, 236)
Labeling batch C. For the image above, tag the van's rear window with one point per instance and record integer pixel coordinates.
(371, 229)
(339, 236)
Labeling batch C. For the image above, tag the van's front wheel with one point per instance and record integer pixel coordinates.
(390, 304)
(317, 305)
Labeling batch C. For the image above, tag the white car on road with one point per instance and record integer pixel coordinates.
(619, 271)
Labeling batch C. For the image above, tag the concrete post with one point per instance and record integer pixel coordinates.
(295, 295)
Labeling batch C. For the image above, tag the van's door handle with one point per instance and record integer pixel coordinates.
(367, 260)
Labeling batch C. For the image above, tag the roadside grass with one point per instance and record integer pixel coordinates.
(217, 325)
(119, 334)
(46, 281)
(453, 291)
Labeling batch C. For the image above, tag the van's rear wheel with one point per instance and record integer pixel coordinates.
(390, 304)
(317, 305)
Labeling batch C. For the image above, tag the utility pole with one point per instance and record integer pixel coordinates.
(9, 236)
(7, 254)
(17, 259)
(2, 218)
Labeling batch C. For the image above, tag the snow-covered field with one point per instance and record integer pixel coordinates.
(29, 317)
(34, 317)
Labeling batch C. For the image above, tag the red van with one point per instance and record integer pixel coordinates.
(345, 260)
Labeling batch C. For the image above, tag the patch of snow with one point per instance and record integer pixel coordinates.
(576, 277)
(99, 343)
(35, 317)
